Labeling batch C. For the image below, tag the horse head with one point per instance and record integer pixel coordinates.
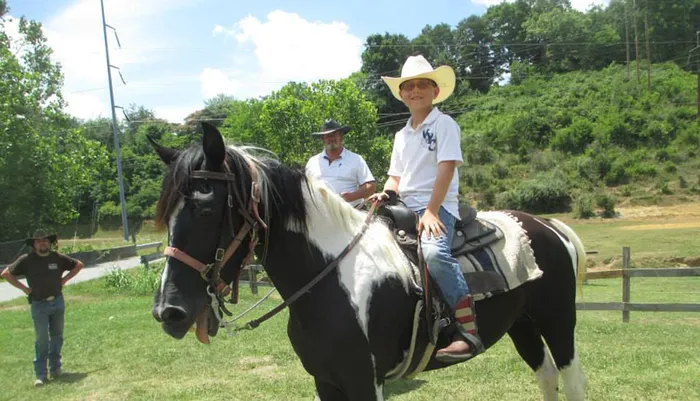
(206, 203)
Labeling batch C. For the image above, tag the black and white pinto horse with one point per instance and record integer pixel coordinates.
(354, 326)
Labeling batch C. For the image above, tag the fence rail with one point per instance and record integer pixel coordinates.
(626, 273)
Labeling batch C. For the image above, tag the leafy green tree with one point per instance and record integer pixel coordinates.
(45, 165)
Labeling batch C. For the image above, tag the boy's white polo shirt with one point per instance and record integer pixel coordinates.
(415, 158)
(344, 174)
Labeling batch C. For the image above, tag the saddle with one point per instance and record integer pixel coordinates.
(434, 323)
(471, 232)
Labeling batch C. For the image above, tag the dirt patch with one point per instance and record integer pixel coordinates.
(662, 226)
(266, 371)
(662, 212)
(255, 360)
(14, 307)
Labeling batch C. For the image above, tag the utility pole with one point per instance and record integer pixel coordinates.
(115, 129)
(646, 34)
(697, 46)
(636, 36)
(697, 66)
(627, 41)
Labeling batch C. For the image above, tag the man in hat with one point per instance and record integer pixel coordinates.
(43, 269)
(423, 171)
(343, 171)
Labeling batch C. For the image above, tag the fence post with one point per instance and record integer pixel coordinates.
(625, 284)
(253, 279)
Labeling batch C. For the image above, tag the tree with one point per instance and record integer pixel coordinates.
(384, 55)
(476, 60)
(45, 165)
(283, 122)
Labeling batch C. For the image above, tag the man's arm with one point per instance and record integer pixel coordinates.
(14, 281)
(365, 190)
(78, 265)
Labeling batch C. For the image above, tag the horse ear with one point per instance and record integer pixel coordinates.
(213, 145)
(167, 155)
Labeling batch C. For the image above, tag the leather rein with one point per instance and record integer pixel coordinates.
(210, 272)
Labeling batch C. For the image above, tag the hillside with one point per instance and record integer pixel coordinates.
(564, 141)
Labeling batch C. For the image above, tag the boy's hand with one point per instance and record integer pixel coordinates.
(431, 222)
(378, 197)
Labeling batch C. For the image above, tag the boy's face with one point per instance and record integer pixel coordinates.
(418, 93)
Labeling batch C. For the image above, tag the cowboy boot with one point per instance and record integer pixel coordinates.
(460, 350)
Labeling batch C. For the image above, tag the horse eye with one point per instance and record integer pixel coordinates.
(204, 188)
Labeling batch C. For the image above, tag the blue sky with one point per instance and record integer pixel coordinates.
(177, 53)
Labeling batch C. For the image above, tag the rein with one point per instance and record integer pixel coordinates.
(329, 267)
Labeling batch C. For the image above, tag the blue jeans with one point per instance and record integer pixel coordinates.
(48, 317)
(444, 268)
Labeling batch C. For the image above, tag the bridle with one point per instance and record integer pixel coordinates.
(211, 272)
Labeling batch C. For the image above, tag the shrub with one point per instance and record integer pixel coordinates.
(543, 195)
(607, 203)
(663, 187)
(583, 207)
(140, 281)
(575, 138)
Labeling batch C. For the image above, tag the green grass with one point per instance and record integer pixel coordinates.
(114, 350)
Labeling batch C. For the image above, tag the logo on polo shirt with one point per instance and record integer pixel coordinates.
(429, 140)
(53, 266)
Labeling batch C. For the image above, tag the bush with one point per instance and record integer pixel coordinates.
(543, 195)
(626, 190)
(140, 281)
(607, 203)
(663, 187)
(583, 207)
(669, 167)
(575, 138)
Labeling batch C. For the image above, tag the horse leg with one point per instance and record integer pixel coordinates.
(560, 339)
(329, 392)
(529, 344)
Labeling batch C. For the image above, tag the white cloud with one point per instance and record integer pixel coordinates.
(76, 37)
(175, 114)
(581, 5)
(12, 31)
(86, 105)
(286, 47)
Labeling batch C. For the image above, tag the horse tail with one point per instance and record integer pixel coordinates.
(580, 268)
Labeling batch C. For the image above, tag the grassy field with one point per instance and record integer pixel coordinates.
(657, 236)
(115, 351)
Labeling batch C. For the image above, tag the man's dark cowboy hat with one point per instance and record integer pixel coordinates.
(40, 233)
(330, 126)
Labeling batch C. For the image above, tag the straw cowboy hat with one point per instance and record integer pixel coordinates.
(40, 233)
(417, 67)
(330, 126)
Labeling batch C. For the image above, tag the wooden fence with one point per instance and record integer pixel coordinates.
(627, 273)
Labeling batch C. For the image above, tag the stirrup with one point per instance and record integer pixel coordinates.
(476, 347)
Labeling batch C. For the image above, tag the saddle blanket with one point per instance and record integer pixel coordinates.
(503, 265)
